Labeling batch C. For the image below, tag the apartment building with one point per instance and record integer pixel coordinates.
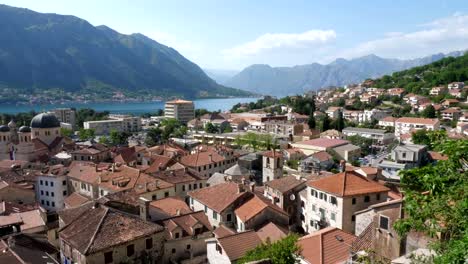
(120, 123)
(333, 200)
(378, 135)
(406, 125)
(65, 115)
(181, 110)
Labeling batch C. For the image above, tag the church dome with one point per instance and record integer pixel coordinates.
(4, 128)
(24, 129)
(45, 120)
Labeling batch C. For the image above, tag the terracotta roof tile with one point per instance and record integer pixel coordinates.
(324, 248)
(271, 232)
(159, 162)
(171, 206)
(100, 227)
(201, 158)
(237, 245)
(223, 231)
(347, 183)
(220, 196)
(417, 120)
(284, 184)
(322, 156)
(75, 199)
(187, 222)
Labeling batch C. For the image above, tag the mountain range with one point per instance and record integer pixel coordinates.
(45, 51)
(281, 81)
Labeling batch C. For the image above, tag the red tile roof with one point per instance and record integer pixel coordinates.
(171, 206)
(417, 120)
(201, 159)
(323, 246)
(324, 142)
(347, 183)
(284, 184)
(237, 245)
(272, 154)
(223, 231)
(220, 196)
(271, 232)
(322, 156)
(188, 222)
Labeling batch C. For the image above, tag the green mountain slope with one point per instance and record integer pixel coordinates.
(441, 72)
(45, 51)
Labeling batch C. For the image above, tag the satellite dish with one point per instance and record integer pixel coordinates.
(292, 197)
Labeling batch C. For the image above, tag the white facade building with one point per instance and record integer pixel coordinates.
(120, 123)
(406, 125)
(51, 191)
(181, 110)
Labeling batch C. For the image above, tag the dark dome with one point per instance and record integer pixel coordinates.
(24, 129)
(45, 120)
(4, 128)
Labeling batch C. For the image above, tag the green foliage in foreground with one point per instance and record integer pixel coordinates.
(257, 141)
(283, 251)
(436, 200)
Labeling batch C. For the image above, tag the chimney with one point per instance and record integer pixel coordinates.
(113, 167)
(144, 208)
(157, 183)
(177, 212)
(240, 188)
(252, 186)
(342, 166)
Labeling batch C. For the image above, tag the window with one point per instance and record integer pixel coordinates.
(354, 201)
(353, 218)
(176, 235)
(52, 194)
(383, 222)
(53, 204)
(313, 207)
(46, 183)
(166, 194)
(189, 247)
(48, 203)
(130, 250)
(102, 192)
(64, 183)
(42, 202)
(333, 200)
(206, 209)
(42, 192)
(190, 187)
(64, 193)
(47, 193)
(154, 197)
(149, 243)
(377, 197)
(108, 257)
(321, 195)
(40, 182)
(366, 198)
(173, 251)
(195, 186)
(183, 188)
(325, 197)
(219, 248)
(52, 184)
(403, 155)
(333, 216)
(200, 185)
(312, 192)
(229, 217)
(215, 215)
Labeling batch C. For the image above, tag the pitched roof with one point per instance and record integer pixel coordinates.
(75, 199)
(347, 183)
(322, 156)
(159, 162)
(220, 196)
(389, 119)
(85, 172)
(284, 184)
(255, 206)
(100, 227)
(236, 170)
(201, 158)
(417, 120)
(271, 232)
(178, 176)
(171, 206)
(187, 222)
(324, 142)
(222, 231)
(323, 247)
(237, 245)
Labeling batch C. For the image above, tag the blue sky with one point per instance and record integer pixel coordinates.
(235, 34)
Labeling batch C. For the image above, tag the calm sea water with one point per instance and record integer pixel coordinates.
(128, 108)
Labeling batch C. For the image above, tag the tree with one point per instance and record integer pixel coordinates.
(86, 134)
(283, 251)
(153, 136)
(339, 123)
(104, 140)
(210, 128)
(325, 123)
(364, 143)
(118, 138)
(429, 112)
(436, 200)
(311, 122)
(66, 132)
(421, 137)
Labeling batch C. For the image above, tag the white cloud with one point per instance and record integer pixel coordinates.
(441, 35)
(188, 49)
(283, 41)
